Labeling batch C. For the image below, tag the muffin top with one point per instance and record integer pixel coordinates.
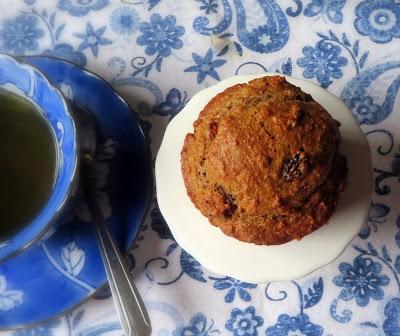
(261, 150)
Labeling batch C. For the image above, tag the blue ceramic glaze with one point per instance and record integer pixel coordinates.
(30, 84)
(65, 267)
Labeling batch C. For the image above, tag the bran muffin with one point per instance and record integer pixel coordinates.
(263, 163)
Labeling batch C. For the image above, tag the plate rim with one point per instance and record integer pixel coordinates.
(185, 242)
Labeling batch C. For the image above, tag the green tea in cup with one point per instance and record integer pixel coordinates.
(28, 159)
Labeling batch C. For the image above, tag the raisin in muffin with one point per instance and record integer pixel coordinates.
(263, 163)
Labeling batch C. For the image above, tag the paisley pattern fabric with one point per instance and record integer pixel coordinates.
(157, 54)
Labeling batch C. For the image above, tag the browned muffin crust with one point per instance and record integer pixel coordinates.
(263, 163)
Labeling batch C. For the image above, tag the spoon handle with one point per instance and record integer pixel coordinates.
(130, 307)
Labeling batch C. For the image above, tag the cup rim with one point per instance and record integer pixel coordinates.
(67, 192)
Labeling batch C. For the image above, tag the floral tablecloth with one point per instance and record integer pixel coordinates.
(157, 54)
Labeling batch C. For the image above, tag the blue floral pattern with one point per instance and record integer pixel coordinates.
(361, 281)
(158, 53)
(20, 34)
(271, 30)
(198, 326)
(160, 35)
(367, 109)
(234, 286)
(378, 19)
(358, 89)
(244, 322)
(376, 216)
(332, 9)
(124, 20)
(294, 325)
(92, 39)
(384, 174)
(322, 62)
(391, 325)
(81, 7)
(208, 6)
(205, 66)
(174, 102)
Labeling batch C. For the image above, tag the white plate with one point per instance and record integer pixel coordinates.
(248, 262)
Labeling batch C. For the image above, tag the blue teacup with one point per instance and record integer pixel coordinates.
(27, 82)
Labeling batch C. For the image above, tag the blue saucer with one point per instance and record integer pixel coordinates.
(64, 268)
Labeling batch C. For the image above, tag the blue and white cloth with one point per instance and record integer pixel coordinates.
(157, 54)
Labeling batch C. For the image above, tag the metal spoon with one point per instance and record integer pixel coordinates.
(131, 310)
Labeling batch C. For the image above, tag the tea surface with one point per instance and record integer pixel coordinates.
(27, 162)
